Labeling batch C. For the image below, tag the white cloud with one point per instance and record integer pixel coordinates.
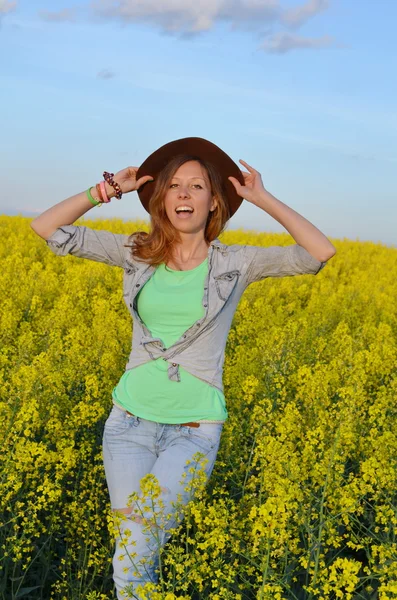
(295, 17)
(283, 42)
(189, 16)
(186, 18)
(194, 16)
(7, 6)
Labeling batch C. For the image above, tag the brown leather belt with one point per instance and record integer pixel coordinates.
(184, 424)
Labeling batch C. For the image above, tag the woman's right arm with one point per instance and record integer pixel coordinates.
(55, 225)
(65, 212)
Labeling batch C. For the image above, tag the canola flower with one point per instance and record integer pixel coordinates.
(302, 502)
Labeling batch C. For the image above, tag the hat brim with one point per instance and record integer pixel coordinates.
(193, 146)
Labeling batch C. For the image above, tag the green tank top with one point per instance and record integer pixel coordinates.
(169, 303)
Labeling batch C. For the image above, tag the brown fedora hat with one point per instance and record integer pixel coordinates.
(197, 147)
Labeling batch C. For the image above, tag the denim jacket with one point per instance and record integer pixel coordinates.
(231, 268)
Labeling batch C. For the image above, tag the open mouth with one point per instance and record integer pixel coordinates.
(184, 211)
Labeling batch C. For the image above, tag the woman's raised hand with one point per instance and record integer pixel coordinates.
(127, 179)
(253, 186)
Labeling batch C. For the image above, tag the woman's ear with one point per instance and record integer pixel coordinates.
(214, 204)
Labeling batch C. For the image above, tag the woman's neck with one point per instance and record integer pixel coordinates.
(189, 254)
(190, 249)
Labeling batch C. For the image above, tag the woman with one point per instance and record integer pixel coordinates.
(181, 286)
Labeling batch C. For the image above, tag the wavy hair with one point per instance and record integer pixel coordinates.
(156, 247)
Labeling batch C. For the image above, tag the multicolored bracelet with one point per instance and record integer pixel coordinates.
(108, 177)
(101, 190)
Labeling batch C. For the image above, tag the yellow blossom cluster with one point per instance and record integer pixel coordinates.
(302, 502)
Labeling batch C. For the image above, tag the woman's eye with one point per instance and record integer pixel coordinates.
(194, 185)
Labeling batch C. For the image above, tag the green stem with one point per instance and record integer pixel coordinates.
(321, 516)
(248, 466)
(264, 573)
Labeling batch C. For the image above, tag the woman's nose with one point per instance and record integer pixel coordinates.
(183, 192)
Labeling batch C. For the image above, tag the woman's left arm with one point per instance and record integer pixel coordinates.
(304, 233)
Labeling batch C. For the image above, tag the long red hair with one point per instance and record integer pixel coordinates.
(156, 247)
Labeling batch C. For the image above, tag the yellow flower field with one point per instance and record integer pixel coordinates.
(302, 503)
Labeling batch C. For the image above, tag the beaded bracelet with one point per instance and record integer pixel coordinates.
(91, 199)
(108, 177)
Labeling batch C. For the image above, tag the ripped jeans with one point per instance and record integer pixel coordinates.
(135, 447)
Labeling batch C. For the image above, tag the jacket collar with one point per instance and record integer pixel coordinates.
(217, 243)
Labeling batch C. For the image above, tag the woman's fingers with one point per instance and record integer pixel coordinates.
(143, 180)
(235, 182)
(247, 166)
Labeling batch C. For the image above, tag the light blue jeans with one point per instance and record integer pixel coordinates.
(135, 447)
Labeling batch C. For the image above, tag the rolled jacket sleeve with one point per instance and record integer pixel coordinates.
(280, 261)
(95, 244)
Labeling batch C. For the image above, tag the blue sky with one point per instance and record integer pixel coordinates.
(303, 90)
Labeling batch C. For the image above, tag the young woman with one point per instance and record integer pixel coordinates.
(182, 287)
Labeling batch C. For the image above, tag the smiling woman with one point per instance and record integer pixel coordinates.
(194, 185)
(189, 194)
(181, 287)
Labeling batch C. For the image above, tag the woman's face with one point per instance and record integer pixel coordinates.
(190, 189)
